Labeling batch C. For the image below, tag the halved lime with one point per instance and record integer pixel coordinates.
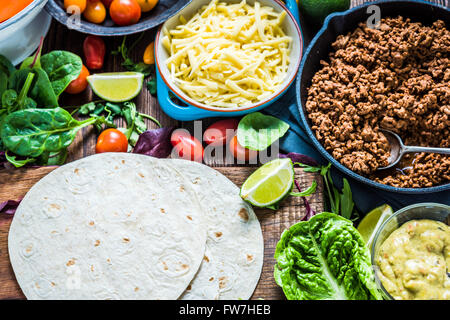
(372, 222)
(116, 86)
(270, 183)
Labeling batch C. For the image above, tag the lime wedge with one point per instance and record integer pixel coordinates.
(269, 184)
(372, 222)
(116, 86)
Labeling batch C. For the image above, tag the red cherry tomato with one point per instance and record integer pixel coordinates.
(79, 84)
(95, 12)
(220, 132)
(125, 12)
(111, 140)
(94, 52)
(107, 3)
(186, 146)
(241, 153)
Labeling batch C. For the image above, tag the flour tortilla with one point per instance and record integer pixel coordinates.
(234, 252)
(108, 226)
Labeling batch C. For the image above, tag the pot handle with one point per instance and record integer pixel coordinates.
(181, 113)
(293, 8)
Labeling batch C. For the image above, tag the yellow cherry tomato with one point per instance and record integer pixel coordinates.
(147, 5)
(95, 12)
(79, 3)
(149, 54)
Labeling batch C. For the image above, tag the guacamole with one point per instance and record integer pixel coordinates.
(414, 261)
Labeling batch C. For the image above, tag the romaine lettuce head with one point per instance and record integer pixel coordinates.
(324, 258)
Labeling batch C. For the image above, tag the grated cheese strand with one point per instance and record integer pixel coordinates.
(229, 55)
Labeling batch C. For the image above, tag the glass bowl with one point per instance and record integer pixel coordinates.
(431, 211)
(20, 35)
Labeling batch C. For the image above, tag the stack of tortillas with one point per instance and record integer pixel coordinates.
(129, 226)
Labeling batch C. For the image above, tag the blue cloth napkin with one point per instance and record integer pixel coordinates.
(365, 197)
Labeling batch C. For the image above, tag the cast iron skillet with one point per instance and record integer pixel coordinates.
(163, 10)
(320, 46)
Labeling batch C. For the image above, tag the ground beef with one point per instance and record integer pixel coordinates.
(396, 77)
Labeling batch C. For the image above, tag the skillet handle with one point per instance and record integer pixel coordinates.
(293, 8)
(181, 113)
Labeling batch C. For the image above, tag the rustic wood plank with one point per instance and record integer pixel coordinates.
(16, 183)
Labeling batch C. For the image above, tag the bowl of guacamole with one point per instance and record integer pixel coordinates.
(411, 253)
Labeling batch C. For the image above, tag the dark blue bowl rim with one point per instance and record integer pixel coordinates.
(311, 134)
(61, 16)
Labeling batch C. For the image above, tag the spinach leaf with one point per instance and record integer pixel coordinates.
(16, 162)
(31, 132)
(9, 98)
(12, 102)
(324, 258)
(62, 67)
(22, 100)
(34, 60)
(6, 66)
(3, 82)
(53, 158)
(41, 89)
(257, 131)
(28, 63)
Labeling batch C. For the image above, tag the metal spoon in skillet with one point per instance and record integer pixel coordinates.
(398, 149)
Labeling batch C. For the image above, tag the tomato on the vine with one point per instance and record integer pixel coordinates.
(94, 51)
(95, 12)
(111, 140)
(125, 12)
(79, 84)
(147, 5)
(186, 146)
(221, 132)
(81, 4)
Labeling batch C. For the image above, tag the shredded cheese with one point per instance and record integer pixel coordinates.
(229, 55)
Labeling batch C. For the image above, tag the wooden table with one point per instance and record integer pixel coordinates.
(14, 184)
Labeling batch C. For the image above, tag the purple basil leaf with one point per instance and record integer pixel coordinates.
(298, 157)
(309, 211)
(155, 143)
(9, 206)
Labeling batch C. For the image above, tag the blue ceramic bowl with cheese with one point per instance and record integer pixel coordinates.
(193, 109)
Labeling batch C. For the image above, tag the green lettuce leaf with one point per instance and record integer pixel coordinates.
(324, 258)
(257, 131)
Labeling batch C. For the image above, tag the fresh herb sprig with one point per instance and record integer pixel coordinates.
(147, 69)
(304, 193)
(340, 201)
(128, 63)
(133, 118)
